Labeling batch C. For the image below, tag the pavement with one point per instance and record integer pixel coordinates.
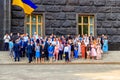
(113, 57)
(60, 72)
(106, 69)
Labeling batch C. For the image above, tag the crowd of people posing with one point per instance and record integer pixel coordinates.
(54, 48)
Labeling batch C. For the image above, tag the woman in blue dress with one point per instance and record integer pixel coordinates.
(50, 51)
(76, 51)
(105, 45)
(37, 49)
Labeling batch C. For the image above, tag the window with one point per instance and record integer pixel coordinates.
(86, 24)
(34, 23)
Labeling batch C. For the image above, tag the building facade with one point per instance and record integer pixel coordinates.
(62, 17)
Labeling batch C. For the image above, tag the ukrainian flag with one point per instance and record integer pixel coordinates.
(27, 5)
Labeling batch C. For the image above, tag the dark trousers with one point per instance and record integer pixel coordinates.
(46, 55)
(60, 55)
(30, 57)
(66, 56)
(6, 46)
(33, 54)
(101, 45)
(17, 56)
(22, 52)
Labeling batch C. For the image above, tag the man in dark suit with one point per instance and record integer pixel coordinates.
(29, 51)
(16, 50)
(22, 48)
(47, 44)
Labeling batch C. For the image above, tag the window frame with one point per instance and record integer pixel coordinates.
(36, 23)
(82, 24)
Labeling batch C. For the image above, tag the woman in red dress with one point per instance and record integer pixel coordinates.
(83, 49)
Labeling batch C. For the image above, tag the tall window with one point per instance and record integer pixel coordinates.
(86, 24)
(34, 23)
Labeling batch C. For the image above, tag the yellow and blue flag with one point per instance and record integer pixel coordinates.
(27, 5)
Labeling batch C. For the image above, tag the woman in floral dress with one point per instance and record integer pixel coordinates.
(99, 51)
(93, 51)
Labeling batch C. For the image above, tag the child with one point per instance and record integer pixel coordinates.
(83, 49)
(50, 51)
(37, 49)
(42, 55)
(11, 48)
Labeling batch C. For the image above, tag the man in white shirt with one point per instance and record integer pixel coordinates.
(86, 40)
(66, 52)
(6, 42)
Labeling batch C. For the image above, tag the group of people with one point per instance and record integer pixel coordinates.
(54, 48)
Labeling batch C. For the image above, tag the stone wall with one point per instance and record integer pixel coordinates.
(60, 17)
(1, 22)
(5, 20)
(17, 24)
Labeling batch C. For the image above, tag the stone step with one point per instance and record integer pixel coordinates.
(113, 57)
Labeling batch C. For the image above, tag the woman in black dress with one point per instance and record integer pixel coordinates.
(42, 54)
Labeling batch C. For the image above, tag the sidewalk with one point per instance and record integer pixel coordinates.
(113, 57)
